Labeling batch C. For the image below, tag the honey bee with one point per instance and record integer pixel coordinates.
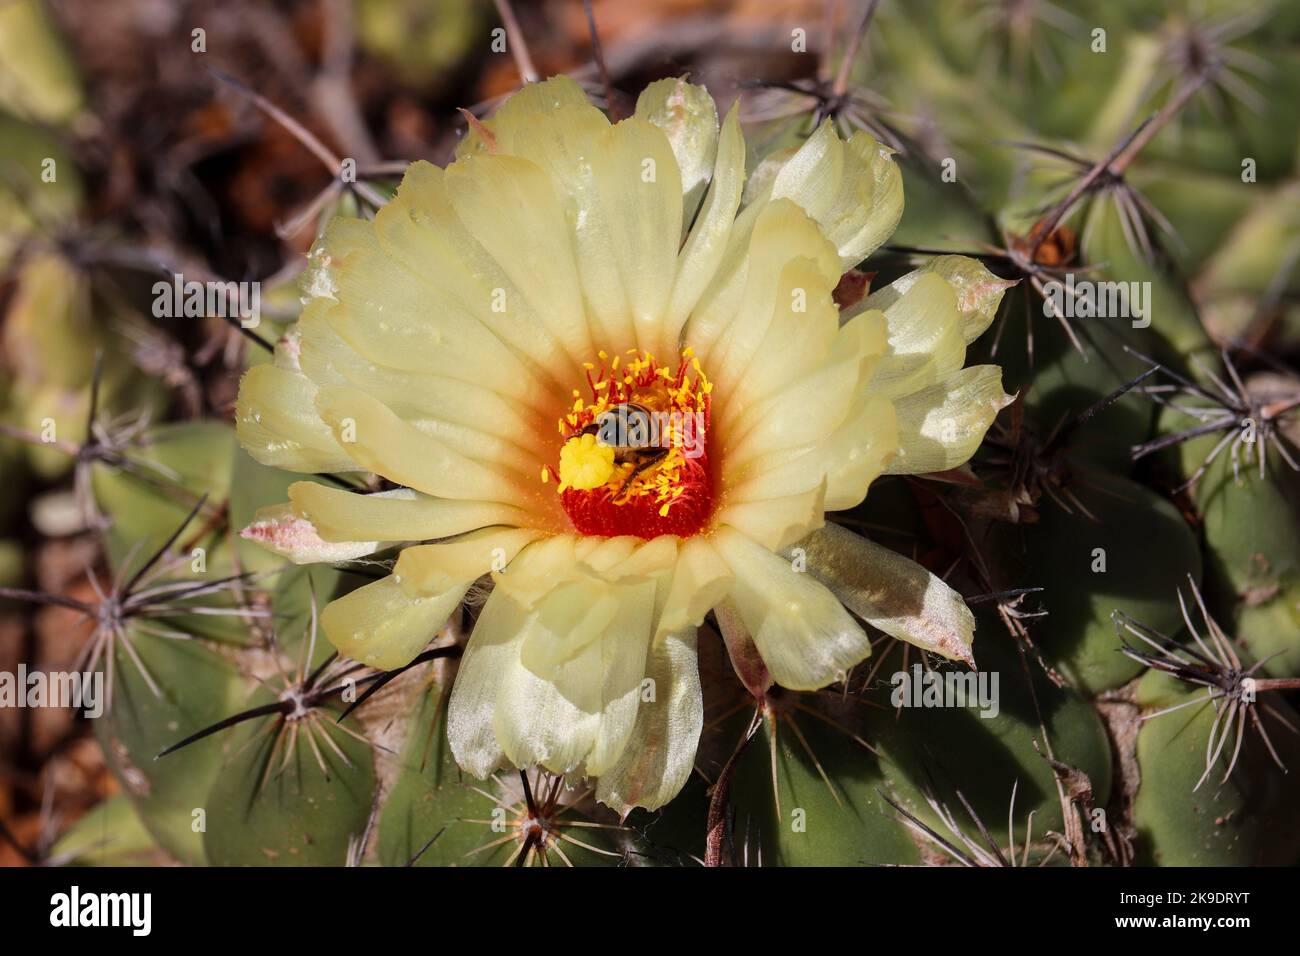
(631, 430)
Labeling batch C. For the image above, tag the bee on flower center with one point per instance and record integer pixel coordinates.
(633, 431)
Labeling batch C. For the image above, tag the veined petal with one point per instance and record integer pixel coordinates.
(510, 206)
(422, 230)
(327, 360)
(550, 722)
(891, 593)
(587, 602)
(798, 340)
(601, 554)
(849, 459)
(573, 615)
(806, 637)
(617, 189)
(700, 580)
(492, 650)
(782, 233)
(689, 118)
(397, 515)
(806, 412)
(813, 175)
(381, 442)
(380, 625)
(537, 569)
(660, 753)
(556, 109)
(628, 259)
(656, 556)
(709, 238)
(624, 650)
(925, 335)
(715, 307)
(278, 425)
(801, 415)
(979, 292)
(580, 713)
(854, 190)
(777, 523)
(858, 237)
(399, 317)
(858, 452)
(941, 426)
(433, 568)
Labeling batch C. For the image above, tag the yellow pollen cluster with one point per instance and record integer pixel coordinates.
(584, 463)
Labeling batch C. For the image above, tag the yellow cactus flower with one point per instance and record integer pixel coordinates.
(566, 276)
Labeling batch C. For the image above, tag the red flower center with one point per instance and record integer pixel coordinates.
(634, 457)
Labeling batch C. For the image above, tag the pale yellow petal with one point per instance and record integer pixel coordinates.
(397, 515)
(539, 567)
(433, 568)
(714, 308)
(890, 592)
(580, 713)
(660, 753)
(979, 291)
(806, 637)
(925, 336)
(777, 523)
(700, 579)
(602, 554)
(854, 190)
(689, 118)
(510, 206)
(380, 625)
(628, 244)
(556, 109)
(804, 326)
(849, 459)
(327, 360)
(398, 316)
(807, 411)
(656, 556)
(858, 452)
(492, 650)
(567, 620)
(277, 423)
(940, 426)
(381, 442)
(550, 722)
(782, 233)
(624, 650)
(710, 236)
(421, 230)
